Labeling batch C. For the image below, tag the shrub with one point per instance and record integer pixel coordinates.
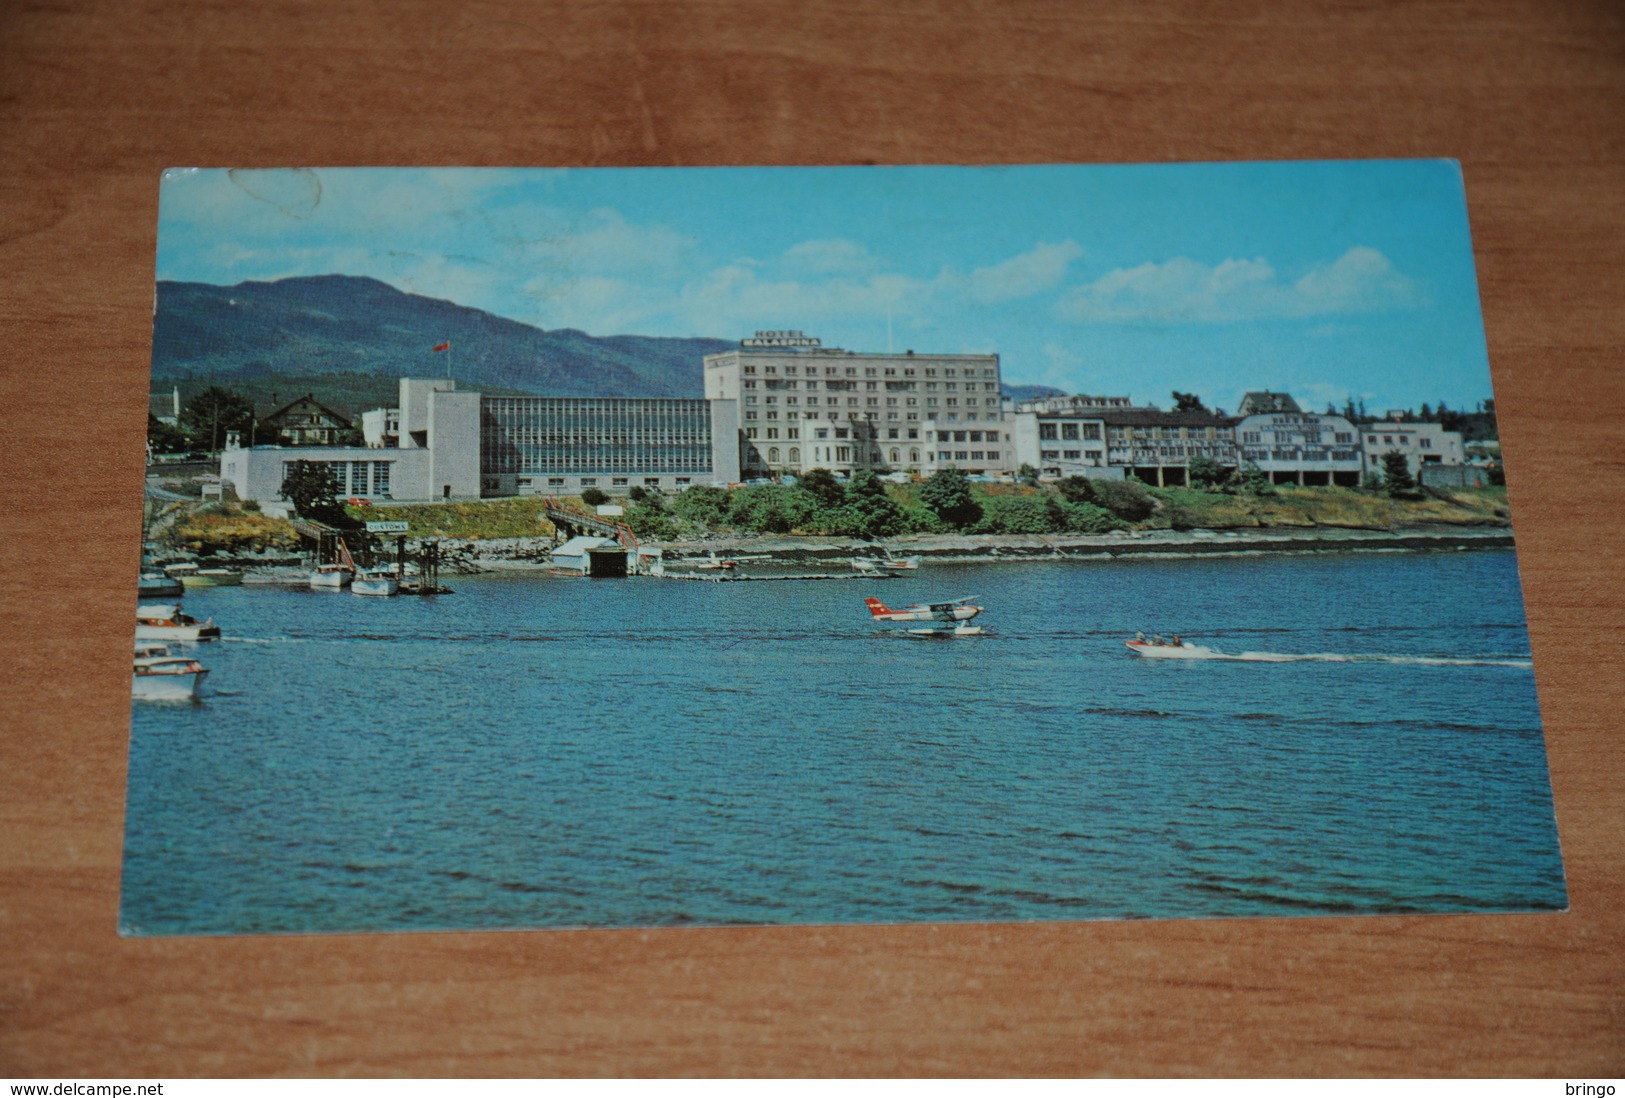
(1127, 499)
(703, 506)
(594, 497)
(1088, 518)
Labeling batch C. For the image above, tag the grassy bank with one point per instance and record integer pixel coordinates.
(235, 529)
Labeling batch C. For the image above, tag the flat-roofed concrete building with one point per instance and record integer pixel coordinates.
(1420, 443)
(451, 444)
(803, 406)
(1065, 436)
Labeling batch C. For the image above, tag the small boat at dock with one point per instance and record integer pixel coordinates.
(190, 575)
(165, 621)
(160, 675)
(375, 581)
(331, 577)
(157, 585)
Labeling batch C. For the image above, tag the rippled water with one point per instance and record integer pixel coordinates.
(535, 752)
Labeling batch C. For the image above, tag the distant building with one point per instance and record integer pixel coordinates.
(1263, 401)
(1421, 444)
(1158, 447)
(448, 444)
(803, 406)
(1065, 436)
(304, 422)
(1291, 446)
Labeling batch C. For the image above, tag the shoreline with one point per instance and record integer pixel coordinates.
(459, 557)
(531, 554)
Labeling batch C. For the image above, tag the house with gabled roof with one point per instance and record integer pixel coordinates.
(305, 422)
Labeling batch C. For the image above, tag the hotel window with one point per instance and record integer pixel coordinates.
(944, 455)
(843, 453)
(589, 482)
(1046, 431)
(772, 432)
(961, 455)
(683, 482)
(651, 482)
(792, 432)
(617, 482)
(914, 456)
(896, 455)
(993, 455)
(555, 482)
(976, 455)
(795, 455)
(1069, 430)
(773, 454)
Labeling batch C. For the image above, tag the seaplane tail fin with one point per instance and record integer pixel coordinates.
(876, 607)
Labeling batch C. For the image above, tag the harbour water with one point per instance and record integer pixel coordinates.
(541, 752)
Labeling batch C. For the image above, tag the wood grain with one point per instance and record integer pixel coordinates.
(96, 99)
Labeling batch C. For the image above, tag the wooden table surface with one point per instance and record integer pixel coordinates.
(96, 99)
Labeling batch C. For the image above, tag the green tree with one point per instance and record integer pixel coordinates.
(1188, 402)
(1396, 475)
(650, 523)
(947, 495)
(823, 486)
(703, 506)
(164, 438)
(873, 511)
(1088, 518)
(313, 489)
(1027, 475)
(209, 415)
(1207, 473)
(1254, 481)
(594, 497)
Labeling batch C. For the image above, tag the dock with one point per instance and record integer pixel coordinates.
(737, 578)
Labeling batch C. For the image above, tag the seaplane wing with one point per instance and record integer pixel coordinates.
(951, 610)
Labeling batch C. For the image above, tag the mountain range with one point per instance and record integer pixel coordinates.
(349, 339)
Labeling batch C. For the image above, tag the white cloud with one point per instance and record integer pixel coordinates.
(1362, 280)
(1023, 275)
(829, 257)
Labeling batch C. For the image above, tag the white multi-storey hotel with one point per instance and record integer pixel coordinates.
(803, 406)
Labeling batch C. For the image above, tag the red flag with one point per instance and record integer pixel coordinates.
(446, 346)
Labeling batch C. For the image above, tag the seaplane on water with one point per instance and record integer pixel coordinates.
(954, 613)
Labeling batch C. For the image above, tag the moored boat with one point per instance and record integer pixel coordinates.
(157, 585)
(165, 621)
(331, 577)
(191, 575)
(375, 581)
(885, 564)
(162, 676)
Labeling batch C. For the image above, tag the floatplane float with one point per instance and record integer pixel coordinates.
(952, 617)
(884, 566)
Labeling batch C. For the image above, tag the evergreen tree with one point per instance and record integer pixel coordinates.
(947, 495)
(1076, 489)
(823, 486)
(1188, 402)
(164, 438)
(214, 412)
(1027, 475)
(874, 513)
(313, 489)
(1396, 475)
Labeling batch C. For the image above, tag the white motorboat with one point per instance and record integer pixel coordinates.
(165, 621)
(161, 675)
(331, 577)
(884, 565)
(375, 581)
(1159, 649)
(192, 576)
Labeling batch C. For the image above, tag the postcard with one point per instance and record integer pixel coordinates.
(710, 547)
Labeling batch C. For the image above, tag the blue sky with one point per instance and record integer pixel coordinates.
(1324, 279)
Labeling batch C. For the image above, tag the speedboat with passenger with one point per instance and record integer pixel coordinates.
(165, 621)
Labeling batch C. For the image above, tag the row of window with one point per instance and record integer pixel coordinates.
(355, 478)
(874, 386)
(870, 371)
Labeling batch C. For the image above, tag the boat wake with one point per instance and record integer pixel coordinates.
(1200, 652)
